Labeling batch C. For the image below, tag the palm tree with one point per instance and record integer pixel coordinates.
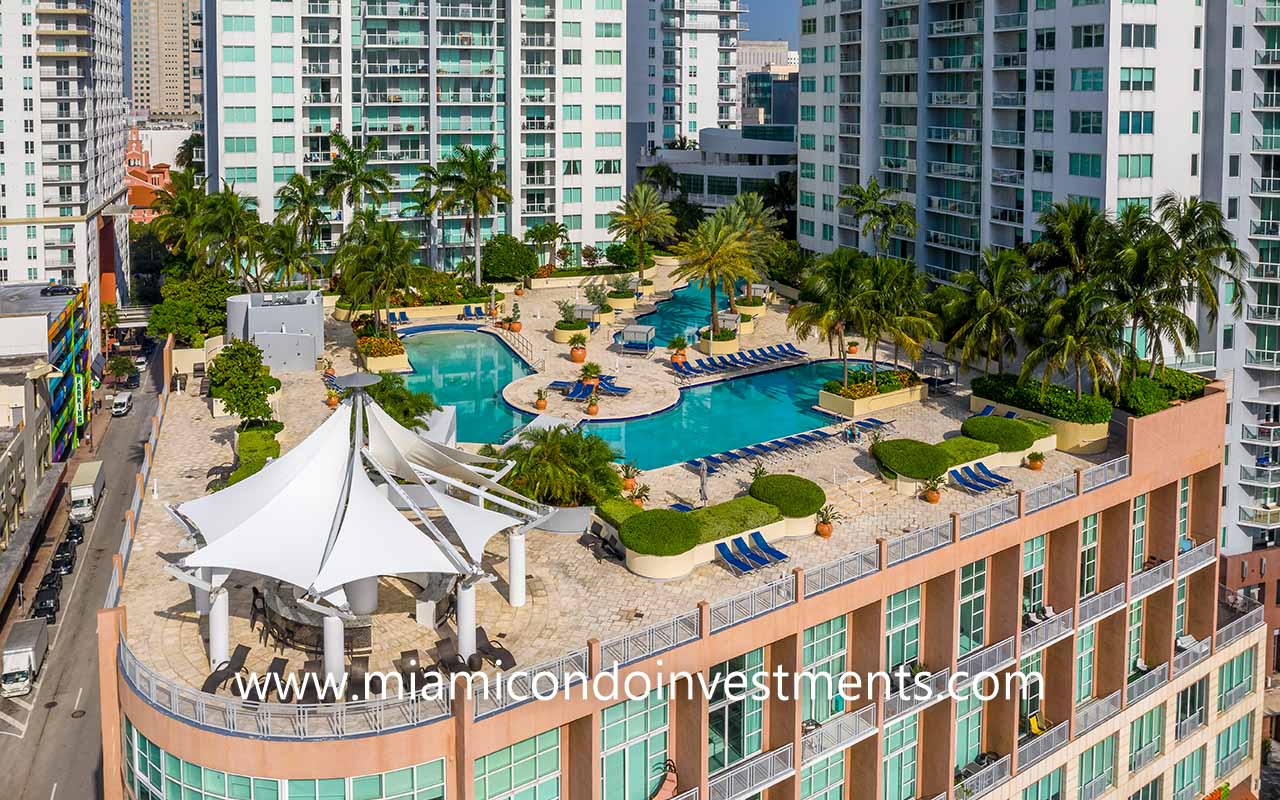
(781, 197)
(286, 251)
(890, 302)
(381, 264)
(1081, 334)
(542, 237)
(231, 236)
(562, 467)
(760, 226)
(715, 255)
(663, 178)
(425, 202)
(180, 206)
(301, 204)
(1076, 245)
(186, 155)
(993, 306)
(1205, 252)
(470, 179)
(350, 178)
(880, 214)
(641, 217)
(830, 292)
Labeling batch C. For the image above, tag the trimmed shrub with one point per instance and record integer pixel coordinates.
(253, 448)
(617, 510)
(1038, 428)
(733, 517)
(572, 325)
(1055, 401)
(960, 449)
(792, 495)
(911, 458)
(659, 532)
(1011, 435)
(1177, 384)
(505, 258)
(1144, 396)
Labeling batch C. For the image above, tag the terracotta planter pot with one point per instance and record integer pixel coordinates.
(578, 355)
(541, 405)
(628, 484)
(853, 349)
(824, 529)
(592, 410)
(519, 291)
(516, 326)
(638, 502)
(331, 402)
(330, 371)
(1035, 465)
(590, 381)
(678, 357)
(932, 495)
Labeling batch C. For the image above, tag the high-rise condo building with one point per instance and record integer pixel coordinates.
(982, 114)
(165, 55)
(542, 80)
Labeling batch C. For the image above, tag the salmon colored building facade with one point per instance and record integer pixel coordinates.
(142, 178)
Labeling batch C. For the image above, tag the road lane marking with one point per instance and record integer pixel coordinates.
(55, 790)
(21, 726)
(79, 694)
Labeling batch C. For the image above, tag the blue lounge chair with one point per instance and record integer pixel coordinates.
(795, 441)
(727, 362)
(782, 352)
(609, 390)
(466, 313)
(591, 326)
(734, 563)
(580, 391)
(561, 386)
(404, 317)
(978, 479)
(760, 355)
(866, 425)
(714, 461)
(744, 550)
(793, 350)
(991, 476)
(683, 507)
(744, 360)
(769, 550)
(879, 423)
(728, 457)
(965, 483)
(987, 411)
(706, 365)
(774, 355)
(1010, 414)
(684, 370)
(758, 450)
(696, 466)
(823, 436)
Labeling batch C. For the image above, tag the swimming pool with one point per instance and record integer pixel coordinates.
(467, 369)
(688, 310)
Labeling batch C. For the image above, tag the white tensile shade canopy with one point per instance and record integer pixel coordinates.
(473, 524)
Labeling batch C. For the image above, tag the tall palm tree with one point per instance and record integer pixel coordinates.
(890, 302)
(286, 252)
(180, 206)
(663, 178)
(643, 216)
(381, 264)
(1076, 245)
(542, 237)
(714, 255)
(231, 236)
(781, 197)
(470, 179)
(351, 178)
(1082, 333)
(993, 305)
(425, 202)
(186, 155)
(301, 203)
(1205, 251)
(881, 215)
(830, 294)
(760, 226)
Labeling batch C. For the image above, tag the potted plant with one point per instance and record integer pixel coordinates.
(593, 405)
(328, 366)
(540, 402)
(578, 348)
(640, 494)
(629, 474)
(331, 398)
(589, 374)
(932, 486)
(513, 322)
(853, 348)
(520, 290)
(827, 518)
(677, 346)
(1035, 460)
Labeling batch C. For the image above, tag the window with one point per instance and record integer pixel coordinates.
(1152, 790)
(1088, 165)
(1046, 38)
(608, 58)
(1134, 35)
(1033, 557)
(240, 144)
(608, 30)
(1084, 664)
(1089, 555)
(525, 769)
(1190, 707)
(1044, 80)
(237, 23)
(968, 727)
(900, 771)
(1097, 767)
(1042, 121)
(1047, 788)
(633, 747)
(1083, 36)
(1087, 79)
(282, 144)
(735, 726)
(237, 84)
(237, 54)
(1146, 738)
(824, 652)
(239, 114)
(608, 112)
(1233, 166)
(1235, 122)
(1040, 200)
(282, 24)
(823, 779)
(1137, 165)
(1188, 775)
(1042, 161)
(236, 175)
(1137, 79)
(1235, 679)
(902, 628)
(1184, 507)
(1086, 122)
(1134, 637)
(1138, 533)
(1138, 122)
(281, 55)
(973, 606)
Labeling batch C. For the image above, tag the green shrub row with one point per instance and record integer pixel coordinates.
(1011, 435)
(733, 517)
(253, 448)
(1143, 396)
(617, 510)
(1053, 401)
(660, 532)
(792, 495)
(1179, 385)
(920, 461)
(961, 449)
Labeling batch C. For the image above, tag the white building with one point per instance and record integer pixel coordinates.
(683, 68)
(756, 54)
(61, 146)
(543, 80)
(729, 162)
(982, 114)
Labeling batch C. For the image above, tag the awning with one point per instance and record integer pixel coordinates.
(97, 365)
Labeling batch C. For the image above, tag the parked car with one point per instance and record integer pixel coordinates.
(51, 580)
(75, 533)
(46, 605)
(56, 289)
(64, 558)
(140, 362)
(133, 381)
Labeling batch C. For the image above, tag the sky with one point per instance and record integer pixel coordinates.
(774, 19)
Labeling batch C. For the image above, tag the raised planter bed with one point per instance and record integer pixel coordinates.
(419, 312)
(622, 303)
(606, 318)
(714, 348)
(748, 326)
(396, 363)
(573, 281)
(910, 487)
(1072, 437)
(666, 262)
(665, 568)
(562, 336)
(847, 407)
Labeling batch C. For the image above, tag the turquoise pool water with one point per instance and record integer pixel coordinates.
(467, 370)
(688, 310)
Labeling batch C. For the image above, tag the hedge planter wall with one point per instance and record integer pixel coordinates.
(680, 564)
(396, 363)
(1080, 438)
(906, 463)
(869, 405)
(713, 348)
(561, 336)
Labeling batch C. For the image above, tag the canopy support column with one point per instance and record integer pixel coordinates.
(334, 664)
(516, 568)
(466, 619)
(219, 626)
(202, 595)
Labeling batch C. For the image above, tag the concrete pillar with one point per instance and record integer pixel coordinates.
(362, 595)
(516, 569)
(219, 627)
(334, 649)
(202, 596)
(466, 620)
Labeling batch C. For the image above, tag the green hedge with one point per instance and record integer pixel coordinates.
(576, 272)
(617, 510)
(660, 532)
(572, 325)
(1144, 396)
(960, 449)
(1055, 401)
(253, 448)
(1178, 384)
(911, 458)
(792, 495)
(733, 517)
(1011, 435)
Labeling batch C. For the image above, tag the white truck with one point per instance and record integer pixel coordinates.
(23, 657)
(86, 490)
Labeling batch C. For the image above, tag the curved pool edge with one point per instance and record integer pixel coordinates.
(414, 330)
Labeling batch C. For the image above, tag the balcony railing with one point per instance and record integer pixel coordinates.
(1231, 760)
(1095, 713)
(752, 776)
(1143, 756)
(987, 660)
(1191, 656)
(1267, 434)
(632, 647)
(1235, 694)
(1151, 680)
(838, 733)
(913, 697)
(517, 688)
(1047, 632)
(1049, 494)
(1045, 744)
(752, 604)
(918, 542)
(1249, 618)
(1185, 727)
(845, 569)
(1150, 580)
(985, 779)
(1188, 792)
(1101, 604)
(1102, 474)
(1261, 476)
(1098, 786)
(988, 517)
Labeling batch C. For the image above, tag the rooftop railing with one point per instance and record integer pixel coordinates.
(517, 689)
(918, 542)
(838, 733)
(1191, 656)
(1250, 617)
(845, 569)
(632, 647)
(752, 776)
(1043, 745)
(988, 517)
(986, 779)
(1048, 494)
(752, 604)
(1102, 474)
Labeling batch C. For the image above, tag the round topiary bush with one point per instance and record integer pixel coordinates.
(1011, 435)
(794, 496)
(659, 532)
(911, 458)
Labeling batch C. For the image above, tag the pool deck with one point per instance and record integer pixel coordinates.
(573, 594)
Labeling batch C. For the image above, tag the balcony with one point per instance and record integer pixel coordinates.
(1101, 604)
(1266, 58)
(1269, 143)
(1008, 138)
(538, 209)
(899, 99)
(1096, 712)
(1260, 517)
(62, 7)
(851, 37)
(954, 135)
(947, 169)
(891, 66)
(1142, 685)
(891, 33)
(1042, 634)
(1008, 177)
(953, 99)
(952, 241)
(1202, 554)
(850, 129)
(1008, 216)
(1009, 61)
(1237, 615)
(964, 63)
(1268, 16)
(1262, 313)
(851, 160)
(1038, 748)
(1007, 22)
(850, 67)
(956, 27)
(985, 779)
(948, 205)
(1009, 99)
(1204, 361)
(1268, 434)
(850, 98)
(532, 153)
(752, 776)
(1188, 658)
(1185, 727)
(1264, 186)
(916, 695)
(838, 733)
(1098, 786)
(1151, 579)
(990, 659)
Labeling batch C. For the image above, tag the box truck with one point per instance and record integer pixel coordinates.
(86, 490)
(23, 657)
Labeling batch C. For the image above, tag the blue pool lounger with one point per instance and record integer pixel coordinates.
(1010, 414)
(683, 507)
(769, 550)
(696, 466)
(989, 475)
(978, 479)
(744, 550)
(965, 483)
(986, 411)
(734, 563)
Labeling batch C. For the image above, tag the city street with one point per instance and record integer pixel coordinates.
(50, 740)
